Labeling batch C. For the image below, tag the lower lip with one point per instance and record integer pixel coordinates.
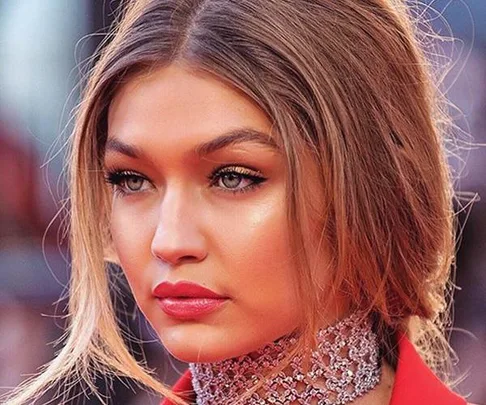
(190, 308)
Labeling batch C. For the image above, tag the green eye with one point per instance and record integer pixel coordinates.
(125, 182)
(230, 178)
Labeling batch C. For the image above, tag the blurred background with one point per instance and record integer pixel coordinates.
(44, 49)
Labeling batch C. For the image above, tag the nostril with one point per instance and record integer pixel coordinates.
(175, 257)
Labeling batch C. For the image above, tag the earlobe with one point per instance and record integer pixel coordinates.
(110, 255)
(109, 251)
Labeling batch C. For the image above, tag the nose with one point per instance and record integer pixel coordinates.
(178, 236)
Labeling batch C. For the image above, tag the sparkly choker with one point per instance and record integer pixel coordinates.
(345, 366)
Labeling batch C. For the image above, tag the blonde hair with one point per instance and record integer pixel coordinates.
(352, 97)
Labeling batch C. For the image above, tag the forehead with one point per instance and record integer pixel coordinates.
(178, 106)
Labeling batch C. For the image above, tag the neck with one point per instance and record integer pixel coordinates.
(345, 365)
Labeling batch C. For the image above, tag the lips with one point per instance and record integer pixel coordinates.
(186, 300)
(184, 289)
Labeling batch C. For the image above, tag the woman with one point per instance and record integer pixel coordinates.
(278, 199)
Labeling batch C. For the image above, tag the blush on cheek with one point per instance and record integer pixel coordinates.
(132, 254)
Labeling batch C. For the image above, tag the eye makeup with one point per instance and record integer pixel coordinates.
(226, 178)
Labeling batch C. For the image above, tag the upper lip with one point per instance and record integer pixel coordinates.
(183, 289)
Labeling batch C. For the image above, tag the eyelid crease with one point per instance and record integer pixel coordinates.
(238, 169)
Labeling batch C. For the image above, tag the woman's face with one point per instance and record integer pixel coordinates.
(204, 202)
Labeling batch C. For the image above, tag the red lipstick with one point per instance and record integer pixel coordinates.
(186, 300)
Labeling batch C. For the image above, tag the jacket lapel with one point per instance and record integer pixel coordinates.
(415, 383)
(183, 387)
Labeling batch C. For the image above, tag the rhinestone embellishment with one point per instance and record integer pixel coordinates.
(345, 366)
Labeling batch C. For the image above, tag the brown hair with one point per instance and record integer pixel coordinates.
(351, 96)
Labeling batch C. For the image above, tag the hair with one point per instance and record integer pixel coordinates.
(352, 96)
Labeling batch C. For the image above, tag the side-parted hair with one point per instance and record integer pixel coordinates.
(352, 97)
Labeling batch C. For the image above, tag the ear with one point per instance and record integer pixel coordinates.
(110, 255)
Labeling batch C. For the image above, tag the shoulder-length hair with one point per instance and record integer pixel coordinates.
(351, 95)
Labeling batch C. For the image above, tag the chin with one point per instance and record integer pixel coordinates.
(196, 343)
(193, 349)
(192, 354)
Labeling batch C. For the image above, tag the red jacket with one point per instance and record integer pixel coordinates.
(415, 384)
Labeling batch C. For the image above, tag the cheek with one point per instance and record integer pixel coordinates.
(258, 261)
(133, 252)
(249, 259)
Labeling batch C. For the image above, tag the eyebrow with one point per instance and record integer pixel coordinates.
(232, 137)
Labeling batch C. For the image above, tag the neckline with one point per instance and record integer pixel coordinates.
(344, 365)
(414, 382)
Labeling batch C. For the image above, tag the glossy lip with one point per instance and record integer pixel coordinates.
(185, 300)
(183, 289)
(190, 308)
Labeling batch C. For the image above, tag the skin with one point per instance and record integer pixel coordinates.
(175, 224)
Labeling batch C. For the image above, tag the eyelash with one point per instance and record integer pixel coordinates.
(116, 177)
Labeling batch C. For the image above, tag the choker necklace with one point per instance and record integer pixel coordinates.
(345, 365)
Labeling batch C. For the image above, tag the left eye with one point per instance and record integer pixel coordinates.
(231, 178)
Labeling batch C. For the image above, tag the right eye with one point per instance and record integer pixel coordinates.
(125, 182)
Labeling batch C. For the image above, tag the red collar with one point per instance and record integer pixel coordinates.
(415, 384)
